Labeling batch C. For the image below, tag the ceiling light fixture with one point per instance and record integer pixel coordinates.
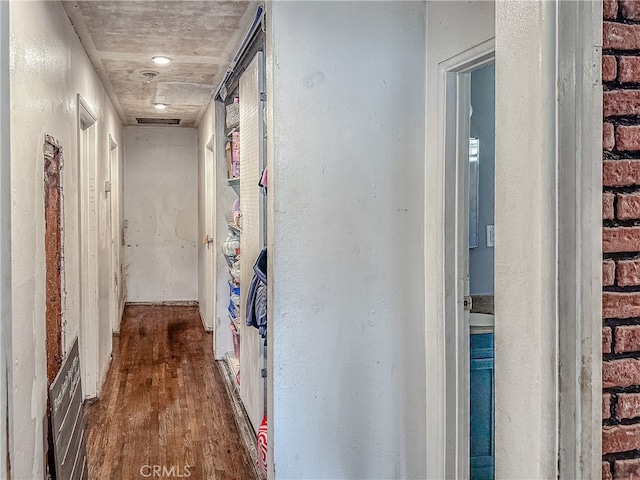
(160, 60)
(160, 106)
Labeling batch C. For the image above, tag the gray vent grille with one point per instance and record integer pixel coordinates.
(158, 121)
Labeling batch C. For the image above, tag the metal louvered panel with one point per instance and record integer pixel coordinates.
(67, 424)
(251, 241)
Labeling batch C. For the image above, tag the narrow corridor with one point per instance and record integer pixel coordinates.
(164, 405)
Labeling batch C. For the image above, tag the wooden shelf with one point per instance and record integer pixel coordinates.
(233, 181)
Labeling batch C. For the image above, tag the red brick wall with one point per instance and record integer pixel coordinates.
(621, 240)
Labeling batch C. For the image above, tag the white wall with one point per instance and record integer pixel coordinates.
(346, 105)
(48, 69)
(161, 207)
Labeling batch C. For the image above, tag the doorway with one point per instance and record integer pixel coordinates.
(481, 272)
(469, 206)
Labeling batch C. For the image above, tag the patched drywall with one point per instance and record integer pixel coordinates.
(346, 239)
(48, 69)
(161, 209)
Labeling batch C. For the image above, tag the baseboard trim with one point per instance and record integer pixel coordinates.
(247, 432)
(204, 325)
(123, 305)
(176, 303)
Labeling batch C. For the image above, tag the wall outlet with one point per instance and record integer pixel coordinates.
(490, 235)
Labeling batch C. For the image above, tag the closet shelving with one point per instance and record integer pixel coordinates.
(244, 143)
(245, 173)
(233, 180)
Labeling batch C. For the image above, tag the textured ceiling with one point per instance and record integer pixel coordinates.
(200, 37)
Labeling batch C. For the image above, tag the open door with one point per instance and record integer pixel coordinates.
(115, 204)
(481, 188)
(468, 273)
(210, 236)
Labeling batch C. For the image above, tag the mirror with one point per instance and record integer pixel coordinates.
(474, 165)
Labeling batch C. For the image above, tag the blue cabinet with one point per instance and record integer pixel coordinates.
(482, 408)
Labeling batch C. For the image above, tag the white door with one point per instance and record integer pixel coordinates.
(114, 229)
(106, 294)
(110, 243)
(210, 232)
(481, 188)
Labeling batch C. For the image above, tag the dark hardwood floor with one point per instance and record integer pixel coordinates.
(164, 411)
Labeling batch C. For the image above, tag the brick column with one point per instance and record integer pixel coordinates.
(621, 240)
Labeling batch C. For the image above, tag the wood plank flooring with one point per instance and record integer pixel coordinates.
(164, 404)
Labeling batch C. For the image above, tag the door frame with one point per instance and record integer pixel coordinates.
(88, 244)
(6, 362)
(579, 237)
(548, 261)
(454, 107)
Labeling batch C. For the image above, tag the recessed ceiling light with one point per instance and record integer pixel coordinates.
(161, 60)
(160, 106)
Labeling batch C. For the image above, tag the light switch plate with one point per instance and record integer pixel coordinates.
(490, 235)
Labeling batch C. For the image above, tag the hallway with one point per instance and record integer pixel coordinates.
(164, 403)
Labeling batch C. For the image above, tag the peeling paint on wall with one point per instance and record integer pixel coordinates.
(54, 257)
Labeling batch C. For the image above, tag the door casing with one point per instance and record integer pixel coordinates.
(88, 242)
(455, 77)
(6, 370)
(548, 218)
